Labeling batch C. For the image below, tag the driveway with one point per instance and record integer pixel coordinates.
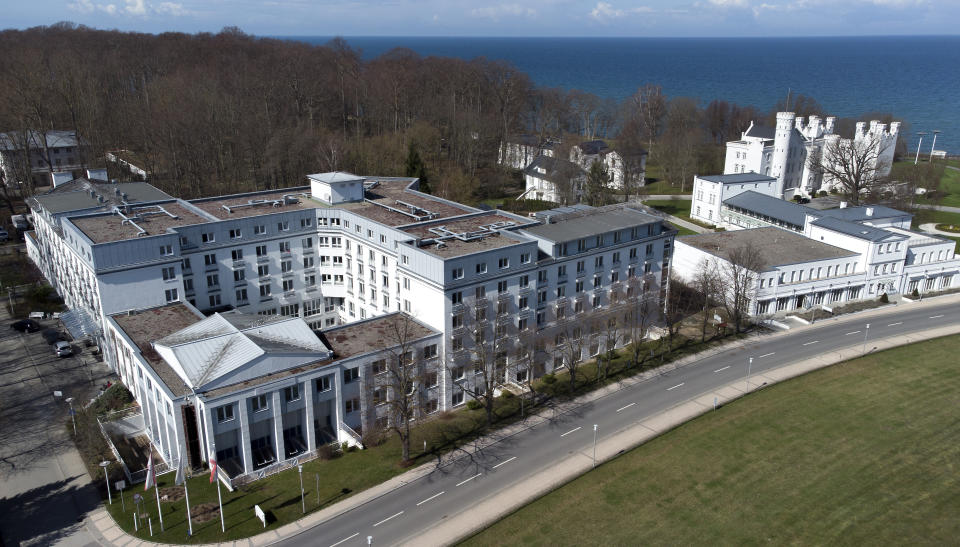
(45, 491)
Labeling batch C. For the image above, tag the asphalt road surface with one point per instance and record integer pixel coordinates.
(409, 510)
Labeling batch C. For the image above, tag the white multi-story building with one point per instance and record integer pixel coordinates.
(710, 192)
(811, 257)
(632, 172)
(782, 151)
(52, 157)
(520, 150)
(344, 250)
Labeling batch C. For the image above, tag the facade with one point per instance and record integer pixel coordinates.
(782, 152)
(553, 179)
(812, 257)
(344, 250)
(52, 157)
(630, 171)
(520, 150)
(710, 192)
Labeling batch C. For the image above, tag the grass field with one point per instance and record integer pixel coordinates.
(862, 453)
(923, 216)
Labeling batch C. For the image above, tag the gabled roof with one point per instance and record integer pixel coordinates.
(761, 132)
(763, 205)
(225, 349)
(55, 139)
(590, 148)
(554, 169)
(859, 231)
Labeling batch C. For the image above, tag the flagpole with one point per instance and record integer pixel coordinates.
(186, 493)
(156, 488)
(213, 477)
(223, 527)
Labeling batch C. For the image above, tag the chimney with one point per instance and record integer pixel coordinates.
(869, 211)
(843, 204)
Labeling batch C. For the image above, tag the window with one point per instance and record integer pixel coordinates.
(523, 304)
(429, 352)
(524, 281)
(542, 276)
(522, 324)
(235, 233)
(580, 267)
(406, 283)
(236, 254)
(188, 284)
(598, 261)
(504, 262)
(379, 366)
(352, 405)
(616, 258)
(169, 273)
(241, 295)
(456, 298)
(185, 264)
(404, 259)
(525, 258)
(482, 268)
(458, 273)
(501, 286)
(579, 285)
(207, 237)
(166, 250)
(457, 398)
(291, 393)
(308, 262)
(541, 297)
(323, 384)
(351, 374)
(265, 290)
(224, 413)
(286, 266)
(283, 226)
(210, 259)
(287, 285)
(307, 243)
(306, 222)
(259, 403)
(213, 280)
(284, 246)
(561, 271)
(561, 291)
(263, 270)
(261, 250)
(259, 229)
(214, 300)
(171, 295)
(633, 252)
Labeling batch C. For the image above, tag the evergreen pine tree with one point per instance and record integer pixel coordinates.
(415, 167)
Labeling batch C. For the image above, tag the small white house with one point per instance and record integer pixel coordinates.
(710, 191)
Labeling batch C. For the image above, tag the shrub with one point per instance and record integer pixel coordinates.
(507, 394)
(915, 293)
(822, 193)
(327, 452)
(796, 198)
(884, 299)
(474, 404)
(548, 379)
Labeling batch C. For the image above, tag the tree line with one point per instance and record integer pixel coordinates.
(229, 112)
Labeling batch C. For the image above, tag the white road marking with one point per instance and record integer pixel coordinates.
(766, 355)
(722, 369)
(468, 480)
(388, 518)
(625, 407)
(895, 324)
(936, 316)
(675, 387)
(345, 539)
(504, 462)
(814, 342)
(571, 431)
(430, 498)
(854, 332)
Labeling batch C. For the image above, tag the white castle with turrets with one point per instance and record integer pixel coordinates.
(782, 152)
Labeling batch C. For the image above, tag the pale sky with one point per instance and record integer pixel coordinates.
(734, 18)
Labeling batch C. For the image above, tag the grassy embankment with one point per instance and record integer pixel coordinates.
(864, 452)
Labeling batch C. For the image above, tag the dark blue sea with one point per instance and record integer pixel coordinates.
(917, 78)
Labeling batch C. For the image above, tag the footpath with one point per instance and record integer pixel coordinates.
(492, 508)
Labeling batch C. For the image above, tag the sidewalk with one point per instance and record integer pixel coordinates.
(494, 507)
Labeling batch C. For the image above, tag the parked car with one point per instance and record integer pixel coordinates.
(26, 325)
(63, 349)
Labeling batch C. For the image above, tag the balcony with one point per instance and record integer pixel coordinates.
(481, 302)
(239, 264)
(504, 297)
(263, 259)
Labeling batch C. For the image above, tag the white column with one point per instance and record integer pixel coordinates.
(308, 393)
(278, 426)
(245, 436)
(337, 403)
(208, 416)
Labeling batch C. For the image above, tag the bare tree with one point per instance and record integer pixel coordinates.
(641, 311)
(858, 166)
(738, 277)
(678, 146)
(398, 380)
(648, 108)
(480, 368)
(706, 281)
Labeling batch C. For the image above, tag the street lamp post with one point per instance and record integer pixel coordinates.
(594, 445)
(865, 333)
(933, 147)
(72, 415)
(921, 134)
(303, 503)
(749, 366)
(104, 465)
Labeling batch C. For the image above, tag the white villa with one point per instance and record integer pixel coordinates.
(561, 181)
(53, 156)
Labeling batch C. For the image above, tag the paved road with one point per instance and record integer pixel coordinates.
(44, 488)
(404, 513)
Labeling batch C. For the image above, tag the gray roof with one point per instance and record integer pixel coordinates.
(55, 139)
(776, 247)
(75, 195)
(761, 132)
(859, 214)
(737, 178)
(554, 169)
(593, 147)
(858, 231)
(590, 223)
(762, 205)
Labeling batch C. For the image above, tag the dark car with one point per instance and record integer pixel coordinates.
(26, 325)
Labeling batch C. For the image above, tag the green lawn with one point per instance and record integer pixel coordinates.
(862, 453)
(924, 216)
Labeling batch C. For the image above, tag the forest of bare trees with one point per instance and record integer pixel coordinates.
(229, 112)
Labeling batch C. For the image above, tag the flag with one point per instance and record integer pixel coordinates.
(151, 478)
(213, 469)
(180, 478)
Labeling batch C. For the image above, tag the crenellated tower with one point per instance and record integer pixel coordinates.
(781, 147)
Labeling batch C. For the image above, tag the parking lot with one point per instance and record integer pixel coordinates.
(44, 488)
